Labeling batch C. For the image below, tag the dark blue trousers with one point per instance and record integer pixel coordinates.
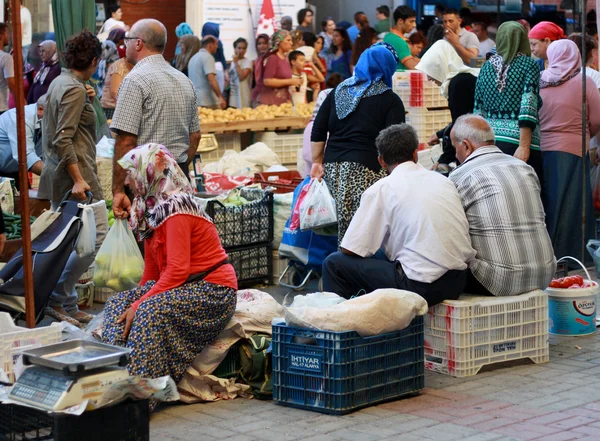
(349, 276)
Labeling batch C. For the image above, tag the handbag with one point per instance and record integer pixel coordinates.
(102, 34)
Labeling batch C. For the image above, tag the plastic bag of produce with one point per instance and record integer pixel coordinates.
(317, 210)
(119, 263)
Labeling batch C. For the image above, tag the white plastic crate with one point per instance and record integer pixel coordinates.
(426, 122)
(286, 145)
(463, 335)
(225, 141)
(410, 84)
(14, 340)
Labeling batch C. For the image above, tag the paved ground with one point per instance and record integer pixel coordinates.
(556, 401)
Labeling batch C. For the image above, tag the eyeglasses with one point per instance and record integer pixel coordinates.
(126, 39)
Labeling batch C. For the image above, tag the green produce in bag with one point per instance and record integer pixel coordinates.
(119, 264)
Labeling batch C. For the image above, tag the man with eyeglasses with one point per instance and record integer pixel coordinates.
(507, 223)
(156, 104)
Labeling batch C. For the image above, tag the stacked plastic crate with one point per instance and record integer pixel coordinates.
(246, 233)
(427, 110)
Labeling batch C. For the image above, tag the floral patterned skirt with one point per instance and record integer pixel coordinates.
(347, 181)
(169, 329)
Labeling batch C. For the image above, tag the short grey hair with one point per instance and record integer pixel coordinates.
(473, 128)
(397, 144)
(153, 32)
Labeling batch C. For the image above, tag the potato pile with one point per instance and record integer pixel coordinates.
(247, 114)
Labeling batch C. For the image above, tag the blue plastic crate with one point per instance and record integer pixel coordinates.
(339, 372)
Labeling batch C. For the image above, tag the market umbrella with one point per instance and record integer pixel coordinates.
(70, 17)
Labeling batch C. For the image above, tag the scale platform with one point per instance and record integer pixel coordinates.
(77, 356)
(69, 373)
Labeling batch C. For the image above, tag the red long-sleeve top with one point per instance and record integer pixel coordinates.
(184, 245)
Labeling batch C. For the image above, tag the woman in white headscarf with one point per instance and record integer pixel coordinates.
(49, 70)
(442, 64)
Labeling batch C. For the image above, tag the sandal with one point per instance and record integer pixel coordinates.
(51, 312)
(82, 317)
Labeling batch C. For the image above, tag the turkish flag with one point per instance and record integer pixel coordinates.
(266, 22)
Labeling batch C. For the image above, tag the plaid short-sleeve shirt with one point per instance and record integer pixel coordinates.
(158, 104)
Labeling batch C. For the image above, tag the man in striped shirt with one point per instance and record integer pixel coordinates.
(501, 197)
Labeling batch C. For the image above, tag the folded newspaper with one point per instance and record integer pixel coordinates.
(161, 389)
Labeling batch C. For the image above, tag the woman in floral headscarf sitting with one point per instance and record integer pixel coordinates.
(187, 294)
(277, 71)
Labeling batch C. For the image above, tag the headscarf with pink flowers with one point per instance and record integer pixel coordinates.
(161, 189)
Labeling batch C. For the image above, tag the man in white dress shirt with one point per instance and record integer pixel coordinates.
(415, 217)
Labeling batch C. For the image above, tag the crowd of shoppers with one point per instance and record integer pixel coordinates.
(513, 202)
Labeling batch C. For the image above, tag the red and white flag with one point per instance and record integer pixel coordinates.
(266, 22)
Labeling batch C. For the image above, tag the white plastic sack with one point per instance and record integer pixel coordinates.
(317, 300)
(105, 147)
(317, 209)
(230, 164)
(382, 311)
(260, 156)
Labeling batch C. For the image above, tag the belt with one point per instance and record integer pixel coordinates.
(203, 274)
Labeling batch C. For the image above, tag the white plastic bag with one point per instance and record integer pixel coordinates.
(105, 148)
(382, 311)
(119, 263)
(318, 207)
(86, 242)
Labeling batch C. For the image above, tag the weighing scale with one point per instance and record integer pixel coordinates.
(69, 373)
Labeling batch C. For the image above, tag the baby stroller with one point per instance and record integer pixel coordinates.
(50, 251)
(305, 249)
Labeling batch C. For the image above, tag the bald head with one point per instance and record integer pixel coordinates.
(469, 133)
(153, 32)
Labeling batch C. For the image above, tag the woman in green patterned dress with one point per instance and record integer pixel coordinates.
(507, 96)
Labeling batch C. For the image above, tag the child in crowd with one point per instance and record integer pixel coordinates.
(313, 67)
(240, 74)
(298, 93)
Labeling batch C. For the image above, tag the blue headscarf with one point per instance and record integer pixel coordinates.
(211, 28)
(372, 76)
(183, 29)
